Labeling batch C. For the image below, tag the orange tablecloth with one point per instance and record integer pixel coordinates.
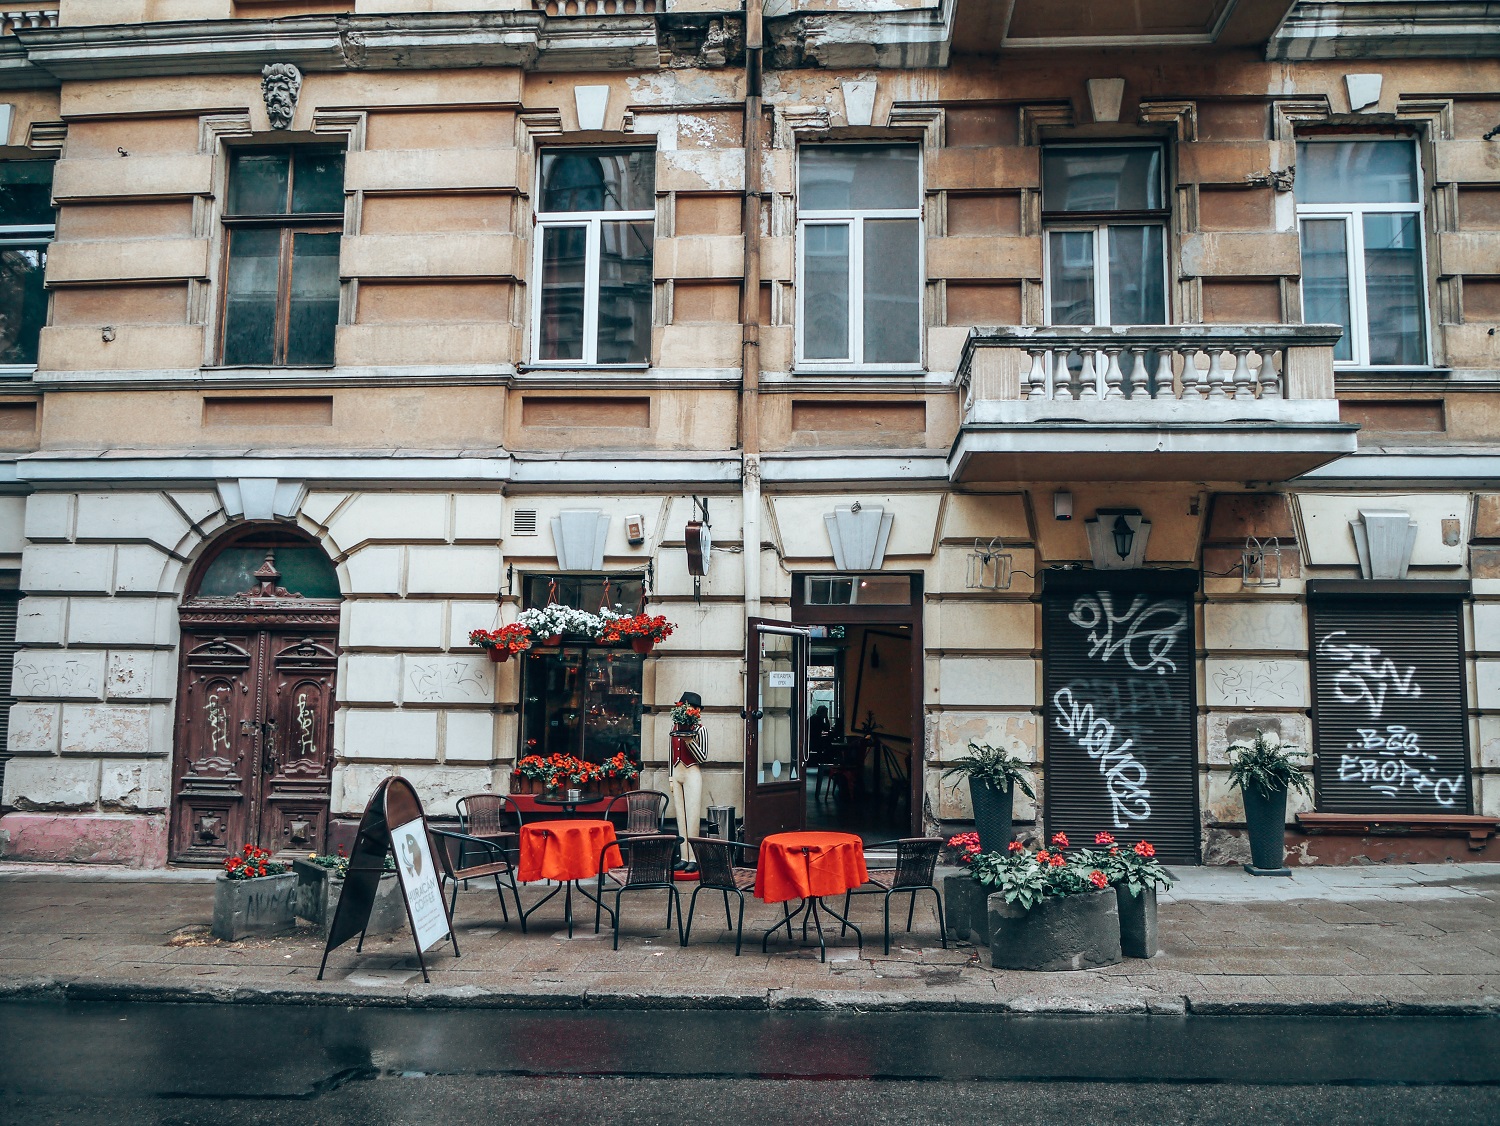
(833, 863)
(565, 850)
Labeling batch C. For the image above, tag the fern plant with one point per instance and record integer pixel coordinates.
(1267, 766)
(990, 764)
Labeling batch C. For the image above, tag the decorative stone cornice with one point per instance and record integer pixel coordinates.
(1387, 29)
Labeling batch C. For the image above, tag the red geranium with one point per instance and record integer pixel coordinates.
(1060, 840)
(1098, 879)
(1104, 838)
(1144, 848)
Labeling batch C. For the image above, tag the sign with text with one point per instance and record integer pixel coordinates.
(418, 876)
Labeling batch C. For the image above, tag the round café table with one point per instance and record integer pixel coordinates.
(565, 851)
(809, 866)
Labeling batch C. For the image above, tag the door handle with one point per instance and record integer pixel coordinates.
(755, 713)
(268, 752)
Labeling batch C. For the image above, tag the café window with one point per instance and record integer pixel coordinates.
(283, 221)
(1363, 264)
(595, 229)
(27, 224)
(581, 698)
(857, 590)
(859, 256)
(1105, 215)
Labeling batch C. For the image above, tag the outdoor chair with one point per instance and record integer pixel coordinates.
(649, 860)
(463, 858)
(491, 817)
(916, 861)
(717, 872)
(644, 811)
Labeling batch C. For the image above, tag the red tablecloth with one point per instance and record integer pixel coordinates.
(565, 850)
(832, 864)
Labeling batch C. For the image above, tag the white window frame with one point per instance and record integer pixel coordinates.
(36, 235)
(1100, 230)
(854, 219)
(1353, 215)
(593, 222)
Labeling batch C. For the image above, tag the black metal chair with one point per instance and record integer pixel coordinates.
(463, 858)
(649, 861)
(717, 872)
(644, 812)
(492, 817)
(916, 863)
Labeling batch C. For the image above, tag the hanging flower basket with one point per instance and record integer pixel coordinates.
(555, 639)
(643, 631)
(642, 645)
(501, 644)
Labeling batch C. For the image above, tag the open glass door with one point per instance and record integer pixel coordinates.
(775, 728)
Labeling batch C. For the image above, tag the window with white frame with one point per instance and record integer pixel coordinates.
(595, 225)
(1359, 210)
(1105, 214)
(27, 225)
(859, 256)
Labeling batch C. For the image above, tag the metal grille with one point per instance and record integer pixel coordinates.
(1389, 724)
(9, 600)
(1118, 710)
(523, 522)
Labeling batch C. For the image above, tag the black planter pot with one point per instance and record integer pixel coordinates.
(1137, 922)
(992, 814)
(1265, 824)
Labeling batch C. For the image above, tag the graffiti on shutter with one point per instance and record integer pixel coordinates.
(1389, 723)
(1120, 730)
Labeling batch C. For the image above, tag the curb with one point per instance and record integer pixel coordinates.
(849, 1002)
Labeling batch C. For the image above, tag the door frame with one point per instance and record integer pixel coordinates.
(874, 616)
(788, 800)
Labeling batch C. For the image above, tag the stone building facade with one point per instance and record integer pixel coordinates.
(291, 275)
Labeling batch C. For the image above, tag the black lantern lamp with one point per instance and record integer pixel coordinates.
(1124, 537)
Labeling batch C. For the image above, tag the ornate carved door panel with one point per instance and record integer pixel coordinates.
(254, 754)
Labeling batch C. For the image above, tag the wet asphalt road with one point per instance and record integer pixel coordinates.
(140, 1063)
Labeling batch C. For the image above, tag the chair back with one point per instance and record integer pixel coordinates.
(443, 845)
(715, 859)
(649, 859)
(916, 861)
(488, 815)
(644, 811)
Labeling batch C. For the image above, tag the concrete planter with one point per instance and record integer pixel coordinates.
(1138, 937)
(1077, 932)
(265, 905)
(965, 912)
(318, 893)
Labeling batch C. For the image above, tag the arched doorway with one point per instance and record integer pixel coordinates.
(254, 739)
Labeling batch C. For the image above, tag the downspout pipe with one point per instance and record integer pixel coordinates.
(750, 307)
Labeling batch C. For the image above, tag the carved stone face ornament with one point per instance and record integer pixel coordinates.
(280, 85)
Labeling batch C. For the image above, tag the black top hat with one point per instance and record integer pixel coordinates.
(691, 699)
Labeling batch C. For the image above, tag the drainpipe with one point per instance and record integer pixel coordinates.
(750, 308)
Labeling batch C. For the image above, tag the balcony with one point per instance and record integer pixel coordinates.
(1174, 403)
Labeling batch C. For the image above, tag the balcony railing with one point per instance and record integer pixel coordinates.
(1163, 399)
(599, 7)
(13, 19)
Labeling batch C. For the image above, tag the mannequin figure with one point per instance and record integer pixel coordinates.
(689, 751)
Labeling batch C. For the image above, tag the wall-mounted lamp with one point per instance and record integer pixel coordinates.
(1062, 504)
(1124, 537)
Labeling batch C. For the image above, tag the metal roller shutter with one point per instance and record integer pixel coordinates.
(1389, 723)
(9, 600)
(1118, 709)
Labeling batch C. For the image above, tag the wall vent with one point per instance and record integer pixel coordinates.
(523, 522)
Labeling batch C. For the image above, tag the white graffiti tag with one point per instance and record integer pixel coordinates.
(1124, 775)
(1383, 761)
(308, 746)
(1367, 675)
(1147, 630)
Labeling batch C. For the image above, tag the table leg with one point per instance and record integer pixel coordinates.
(786, 921)
(539, 902)
(858, 934)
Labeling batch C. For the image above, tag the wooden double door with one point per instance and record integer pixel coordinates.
(254, 739)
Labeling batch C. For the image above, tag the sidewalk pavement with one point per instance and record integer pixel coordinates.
(1371, 939)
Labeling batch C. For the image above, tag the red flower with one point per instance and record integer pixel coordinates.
(1098, 879)
(1015, 846)
(1060, 840)
(1104, 839)
(1058, 860)
(1144, 848)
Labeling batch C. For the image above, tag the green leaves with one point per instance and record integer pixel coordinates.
(992, 765)
(1267, 766)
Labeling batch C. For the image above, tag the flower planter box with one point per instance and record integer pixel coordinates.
(265, 905)
(966, 909)
(317, 898)
(519, 785)
(1076, 932)
(606, 787)
(1138, 938)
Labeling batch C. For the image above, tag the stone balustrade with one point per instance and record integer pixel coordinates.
(598, 7)
(21, 19)
(1171, 370)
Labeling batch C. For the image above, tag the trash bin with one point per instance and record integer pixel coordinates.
(722, 819)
